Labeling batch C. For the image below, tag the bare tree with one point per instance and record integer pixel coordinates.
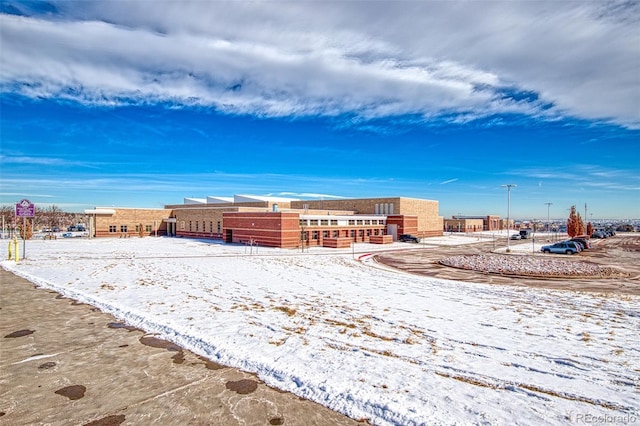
(8, 213)
(52, 217)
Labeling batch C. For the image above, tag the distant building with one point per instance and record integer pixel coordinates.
(472, 223)
(277, 221)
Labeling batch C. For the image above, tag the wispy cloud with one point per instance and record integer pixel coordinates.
(41, 161)
(448, 181)
(332, 58)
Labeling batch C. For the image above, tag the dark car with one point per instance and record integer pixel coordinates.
(408, 238)
(583, 242)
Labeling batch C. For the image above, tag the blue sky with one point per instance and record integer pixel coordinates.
(138, 103)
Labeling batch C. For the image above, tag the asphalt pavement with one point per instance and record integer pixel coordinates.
(67, 363)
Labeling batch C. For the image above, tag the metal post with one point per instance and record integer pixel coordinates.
(548, 220)
(509, 186)
(24, 237)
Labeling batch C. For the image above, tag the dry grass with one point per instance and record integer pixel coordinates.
(287, 310)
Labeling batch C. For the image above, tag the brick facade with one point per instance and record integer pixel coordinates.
(129, 222)
(429, 224)
(279, 223)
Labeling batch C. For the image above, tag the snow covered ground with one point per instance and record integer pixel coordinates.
(369, 342)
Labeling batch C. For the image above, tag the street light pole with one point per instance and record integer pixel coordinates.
(509, 186)
(548, 221)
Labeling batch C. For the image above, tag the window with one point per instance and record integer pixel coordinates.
(313, 222)
(324, 222)
(352, 233)
(325, 234)
(182, 225)
(196, 226)
(359, 221)
(137, 228)
(315, 235)
(123, 228)
(335, 234)
(352, 222)
(334, 222)
(112, 228)
(368, 232)
(148, 228)
(204, 226)
(189, 226)
(367, 222)
(303, 222)
(218, 227)
(211, 227)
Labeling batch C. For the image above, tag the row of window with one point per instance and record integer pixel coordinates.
(336, 234)
(125, 228)
(334, 222)
(196, 224)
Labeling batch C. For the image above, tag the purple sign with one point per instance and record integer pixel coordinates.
(25, 208)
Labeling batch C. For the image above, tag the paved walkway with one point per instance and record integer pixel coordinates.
(65, 363)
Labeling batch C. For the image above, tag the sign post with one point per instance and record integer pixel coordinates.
(25, 209)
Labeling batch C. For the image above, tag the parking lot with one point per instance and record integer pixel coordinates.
(621, 252)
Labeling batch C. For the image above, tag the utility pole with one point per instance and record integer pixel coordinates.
(548, 222)
(509, 186)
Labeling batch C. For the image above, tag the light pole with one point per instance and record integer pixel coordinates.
(548, 222)
(509, 186)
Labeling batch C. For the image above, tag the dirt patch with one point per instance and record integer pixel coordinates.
(243, 387)
(72, 392)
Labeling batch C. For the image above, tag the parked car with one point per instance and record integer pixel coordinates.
(582, 241)
(525, 233)
(563, 247)
(516, 237)
(408, 238)
(67, 235)
(599, 234)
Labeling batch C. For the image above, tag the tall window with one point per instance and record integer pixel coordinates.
(113, 228)
(123, 228)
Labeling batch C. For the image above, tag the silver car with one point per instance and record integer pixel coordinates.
(563, 247)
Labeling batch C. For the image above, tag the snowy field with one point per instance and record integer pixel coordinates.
(369, 342)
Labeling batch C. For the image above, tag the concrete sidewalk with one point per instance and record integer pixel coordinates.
(65, 363)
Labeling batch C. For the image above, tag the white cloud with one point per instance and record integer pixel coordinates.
(369, 59)
(448, 181)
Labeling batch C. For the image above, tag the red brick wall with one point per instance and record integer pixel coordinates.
(406, 224)
(271, 229)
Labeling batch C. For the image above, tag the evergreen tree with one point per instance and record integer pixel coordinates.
(579, 225)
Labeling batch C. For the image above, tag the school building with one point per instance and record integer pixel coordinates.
(276, 221)
(473, 223)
